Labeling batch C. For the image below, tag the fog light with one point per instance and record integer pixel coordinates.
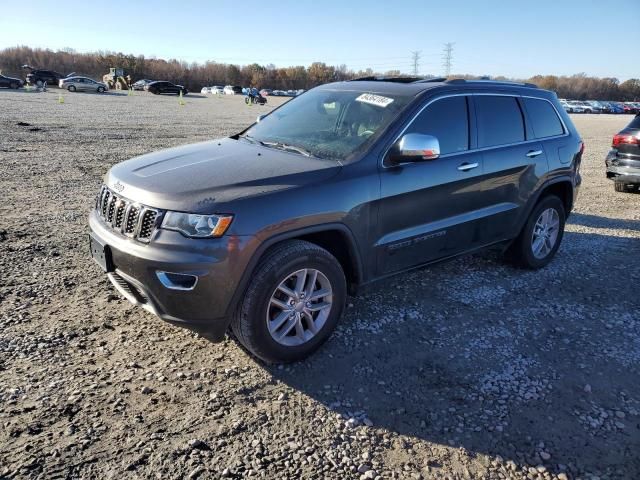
(177, 281)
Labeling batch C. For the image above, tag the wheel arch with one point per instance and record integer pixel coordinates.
(336, 238)
(561, 187)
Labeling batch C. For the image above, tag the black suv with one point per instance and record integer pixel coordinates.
(39, 77)
(269, 230)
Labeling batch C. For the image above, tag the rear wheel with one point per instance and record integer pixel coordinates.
(292, 304)
(14, 85)
(71, 88)
(540, 238)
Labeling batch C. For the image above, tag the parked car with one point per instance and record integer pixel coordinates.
(576, 107)
(164, 87)
(140, 84)
(623, 161)
(265, 92)
(596, 107)
(217, 90)
(205, 90)
(232, 90)
(631, 107)
(39, 77)
(566, 105)
(268, 230)
(10, 82)
(616, 107)
(82, 84)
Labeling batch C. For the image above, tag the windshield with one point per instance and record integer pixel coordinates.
(331, 124)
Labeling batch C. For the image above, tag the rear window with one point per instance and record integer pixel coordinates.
(635, 123)
(499, 120)
(544, 119)
(447, 120)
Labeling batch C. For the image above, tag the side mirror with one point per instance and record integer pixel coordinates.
(259, 118)
(415, 147)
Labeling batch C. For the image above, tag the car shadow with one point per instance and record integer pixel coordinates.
(595, 221)
(476, 354)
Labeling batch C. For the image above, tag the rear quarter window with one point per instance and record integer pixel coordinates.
(543, 117)
(499, 120)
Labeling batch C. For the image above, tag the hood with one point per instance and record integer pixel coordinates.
(204, 177)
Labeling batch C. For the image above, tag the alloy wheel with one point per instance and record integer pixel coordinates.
(545, 233)
(299, 307)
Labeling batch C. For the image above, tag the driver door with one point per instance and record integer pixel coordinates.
(431, 209)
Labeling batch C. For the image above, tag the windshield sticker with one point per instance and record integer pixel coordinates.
(377, 100)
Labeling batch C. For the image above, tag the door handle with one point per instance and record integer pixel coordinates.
(534, 153)
(467, 166)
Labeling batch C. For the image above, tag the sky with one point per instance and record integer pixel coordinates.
(515, 38)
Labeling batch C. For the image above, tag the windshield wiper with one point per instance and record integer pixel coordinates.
(285, 146)
(251, 139)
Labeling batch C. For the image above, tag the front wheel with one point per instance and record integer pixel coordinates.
(293, 303)
(540, 238)
(100, 89)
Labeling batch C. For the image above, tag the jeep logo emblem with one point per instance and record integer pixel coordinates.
(118, 187)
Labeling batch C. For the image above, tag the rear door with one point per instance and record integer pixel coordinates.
(428, 209)
(514, 161)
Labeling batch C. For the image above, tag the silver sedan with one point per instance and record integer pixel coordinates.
(82, 84)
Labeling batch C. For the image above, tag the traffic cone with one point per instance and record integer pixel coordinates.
(60, 98)
(130, 94)
(181, 100)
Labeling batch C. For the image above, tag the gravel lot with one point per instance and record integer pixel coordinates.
(469, 369)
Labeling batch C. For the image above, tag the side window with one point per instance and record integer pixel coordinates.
(543, 116)
(499, 120)
(446, 119)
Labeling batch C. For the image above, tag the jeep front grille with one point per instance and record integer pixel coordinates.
(129, 218)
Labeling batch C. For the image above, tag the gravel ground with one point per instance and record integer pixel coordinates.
(469, 369)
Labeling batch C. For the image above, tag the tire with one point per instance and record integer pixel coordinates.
(281, 264)
(246, 100)
(71, 88)
(100, 89)
(521, 250)
(623, 187)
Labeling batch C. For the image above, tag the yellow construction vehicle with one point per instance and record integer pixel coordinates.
(116, 78)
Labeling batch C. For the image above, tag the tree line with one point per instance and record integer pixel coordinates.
(196, 75)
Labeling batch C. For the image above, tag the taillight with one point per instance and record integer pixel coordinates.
(626, 139)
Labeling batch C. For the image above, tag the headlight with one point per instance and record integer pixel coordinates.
(197, 226)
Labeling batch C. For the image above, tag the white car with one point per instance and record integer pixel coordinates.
(228, 90)
(205, 90)
(217, 90)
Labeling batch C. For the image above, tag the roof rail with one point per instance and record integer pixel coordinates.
(374, 78)
(431, 80)
(493, 82)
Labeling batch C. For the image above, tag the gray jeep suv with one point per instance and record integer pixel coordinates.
(267, 232)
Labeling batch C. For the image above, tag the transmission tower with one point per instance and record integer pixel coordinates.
(415, 59)
(447, 57)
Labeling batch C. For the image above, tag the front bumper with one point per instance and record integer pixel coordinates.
(218, 264)
(622, 169)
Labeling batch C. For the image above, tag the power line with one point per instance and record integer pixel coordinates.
(415, 60)
(447, 58)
